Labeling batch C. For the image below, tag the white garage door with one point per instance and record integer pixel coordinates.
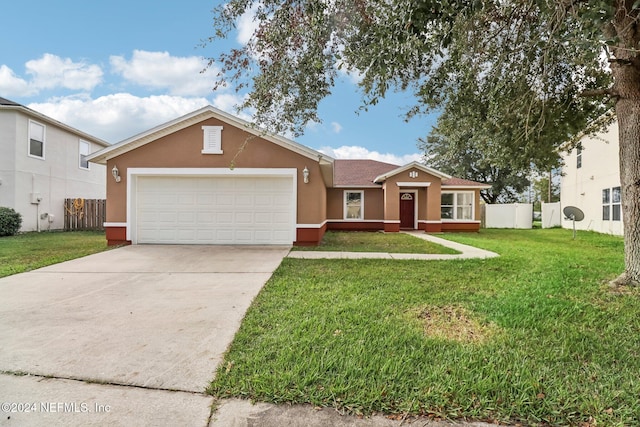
(215, 210)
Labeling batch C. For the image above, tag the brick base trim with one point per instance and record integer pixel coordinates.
(116, 236)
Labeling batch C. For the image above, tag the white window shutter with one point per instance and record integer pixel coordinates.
(212, 140)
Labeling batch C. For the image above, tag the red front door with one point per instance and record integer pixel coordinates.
(407, 210)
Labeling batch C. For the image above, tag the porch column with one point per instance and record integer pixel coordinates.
(433, 222)
(391, 207)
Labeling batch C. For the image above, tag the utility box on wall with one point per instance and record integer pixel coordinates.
(36, 198)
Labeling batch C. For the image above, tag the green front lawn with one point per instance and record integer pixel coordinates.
(364, 241)
(29, 251)
(534, 336)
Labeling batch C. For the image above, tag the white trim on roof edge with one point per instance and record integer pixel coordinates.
(192, 118)
(33, 113)
(465, 187)
(413, 184)
(414, 164)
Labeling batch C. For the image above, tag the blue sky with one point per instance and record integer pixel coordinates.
(117, 68)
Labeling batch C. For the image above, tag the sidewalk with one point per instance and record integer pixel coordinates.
(466, 251)
(242, 413)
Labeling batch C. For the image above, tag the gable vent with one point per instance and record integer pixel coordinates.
(212, 142)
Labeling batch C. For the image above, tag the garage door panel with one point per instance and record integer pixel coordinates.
(243, 200)
(215, 210)
(186, 218)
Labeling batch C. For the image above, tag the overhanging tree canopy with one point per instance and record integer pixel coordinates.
(554, 51)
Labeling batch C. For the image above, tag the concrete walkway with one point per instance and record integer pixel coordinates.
(466, 251)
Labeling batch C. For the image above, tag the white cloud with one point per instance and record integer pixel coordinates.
(228, 102)
(12, 85)
(181, 76)
(52, 71)
(312, 126)
(337, 127)
(358, 152)
(247, 25)
(118, 116)
(352, 75)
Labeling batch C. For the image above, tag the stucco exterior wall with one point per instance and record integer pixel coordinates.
(582, 187)
(428, 197)
(8, 158)
(53, 178)
(183, 149)
(373, 203)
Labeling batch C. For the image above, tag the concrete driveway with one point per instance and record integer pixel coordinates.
(154, 319)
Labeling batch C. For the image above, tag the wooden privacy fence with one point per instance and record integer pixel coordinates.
(84, 214)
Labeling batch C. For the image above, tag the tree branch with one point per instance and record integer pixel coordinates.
(599, 92)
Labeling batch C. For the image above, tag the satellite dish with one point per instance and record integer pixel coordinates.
(574, 214)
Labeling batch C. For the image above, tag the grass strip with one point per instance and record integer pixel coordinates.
(371, 241)
(28, 251)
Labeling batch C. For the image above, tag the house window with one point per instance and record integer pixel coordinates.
(83, 152)
(36, 139)
(606, 204)
(579, 156)
(616, 198)
(212, 140)
(353, 204)
(457, 205)
(611, 204)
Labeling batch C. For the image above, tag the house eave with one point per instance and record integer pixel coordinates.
(357, 186)
(466, 187)
(197, 116)
(382, 178)
(41, 117)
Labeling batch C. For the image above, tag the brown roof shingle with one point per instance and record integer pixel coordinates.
(359, 172)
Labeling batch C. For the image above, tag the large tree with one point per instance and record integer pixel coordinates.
(560, 52)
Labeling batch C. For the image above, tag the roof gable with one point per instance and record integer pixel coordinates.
(383, 177)
(196, 117)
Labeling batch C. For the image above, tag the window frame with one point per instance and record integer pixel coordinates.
(612, 204)
(579, 156)
(345, 207)
(455, 206)
(87, 144)
(43, 142)
(616, 204)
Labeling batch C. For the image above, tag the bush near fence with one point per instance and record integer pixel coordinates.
(84, 214)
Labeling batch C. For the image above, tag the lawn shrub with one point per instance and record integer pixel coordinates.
(10, 221)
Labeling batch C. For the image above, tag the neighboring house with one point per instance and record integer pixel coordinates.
(209, 177)
(591, 182)
(42, 162)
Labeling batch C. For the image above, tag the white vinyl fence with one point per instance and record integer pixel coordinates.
(512, 215)
(551, 215)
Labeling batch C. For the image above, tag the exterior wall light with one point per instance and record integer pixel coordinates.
(305, 175)
(116, 173)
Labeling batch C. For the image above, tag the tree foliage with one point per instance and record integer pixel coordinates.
(530, 61)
